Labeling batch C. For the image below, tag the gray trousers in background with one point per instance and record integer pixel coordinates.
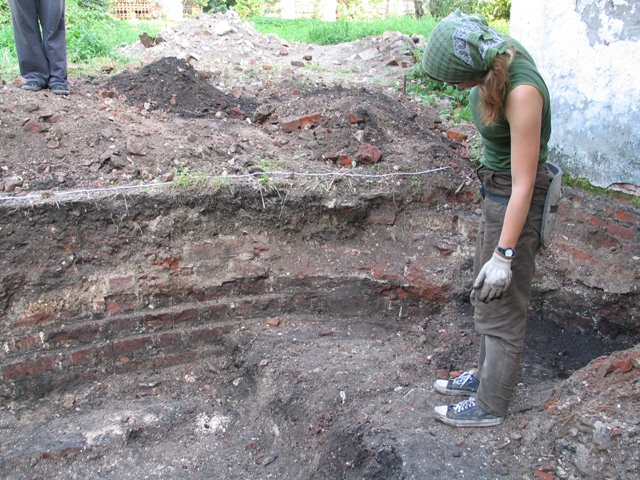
(501, 323)
(42, 56)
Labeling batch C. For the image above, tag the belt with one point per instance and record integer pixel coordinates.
(493, 197)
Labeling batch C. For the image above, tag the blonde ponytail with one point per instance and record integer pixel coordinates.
(494, 87)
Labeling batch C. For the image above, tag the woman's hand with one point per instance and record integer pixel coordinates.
(494, 278)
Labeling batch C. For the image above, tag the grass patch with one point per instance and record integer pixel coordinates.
(585, 185)
(321, 32)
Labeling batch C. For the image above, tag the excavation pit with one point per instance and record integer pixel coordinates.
(191, 333)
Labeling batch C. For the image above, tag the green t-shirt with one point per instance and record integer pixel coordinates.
(496, 139)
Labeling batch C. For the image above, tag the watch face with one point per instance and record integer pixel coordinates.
(507, 252)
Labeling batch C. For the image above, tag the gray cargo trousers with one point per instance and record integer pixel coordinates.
(42, 57)
(501, 323)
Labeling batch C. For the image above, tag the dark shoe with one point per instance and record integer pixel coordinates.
(32, 86)
(59, 89)
(465, 384)
(466, 414)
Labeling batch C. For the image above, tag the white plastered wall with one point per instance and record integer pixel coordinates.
(589, 53)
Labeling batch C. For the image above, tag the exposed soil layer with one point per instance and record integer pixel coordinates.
(203, 276)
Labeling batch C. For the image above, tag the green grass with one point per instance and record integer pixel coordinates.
(331, 33)
(308, 30)
(586, 186)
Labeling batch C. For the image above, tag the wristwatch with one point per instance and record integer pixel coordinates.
(506, 252)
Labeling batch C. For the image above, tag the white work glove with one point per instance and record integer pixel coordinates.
(494, 278)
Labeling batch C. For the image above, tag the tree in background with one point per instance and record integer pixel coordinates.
(245, 8)
(490, 9)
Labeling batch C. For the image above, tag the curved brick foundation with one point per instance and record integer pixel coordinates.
(100, 287)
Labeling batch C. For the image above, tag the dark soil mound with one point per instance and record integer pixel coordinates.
(173, 85)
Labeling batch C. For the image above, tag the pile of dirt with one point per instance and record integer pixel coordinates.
(174, 86)
(218, 99)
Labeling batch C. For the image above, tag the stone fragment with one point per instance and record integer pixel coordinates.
(33, 126)
(263, 112)
(11, 183)
(30, 107)
(393, 62)
(135, 146)
(222, 28)
(368, 54)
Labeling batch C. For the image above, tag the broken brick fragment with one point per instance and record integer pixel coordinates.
(344, 161)
(368, 154)
(291, 124)
(456, 136)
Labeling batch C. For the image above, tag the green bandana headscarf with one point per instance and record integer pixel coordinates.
(461, 47)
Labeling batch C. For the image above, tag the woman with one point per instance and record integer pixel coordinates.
(510, 105)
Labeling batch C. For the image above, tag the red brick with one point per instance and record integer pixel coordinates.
(124, 325)
(26, 343)
(218, 312)
(130, 345)
(432, 292)
(368, 154)
(292, 124)
(37, 319)
(207, 335)
(265, 305)
(543, 475)
(187, 316)
(253, 286)
(171, 263)
(621, 232)
(597, 221)
(82, 333)
(162, 361)
(624, 366)
(169, 339)
(345, 161)
(626, 217)
(158, 321)
(302, 302)
(121, 302)
(384, 215)
(565, 211)
(578, 255)
(27, 368)
(81, 357)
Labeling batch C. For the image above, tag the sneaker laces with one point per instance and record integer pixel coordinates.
(465, 405)
(462, 379)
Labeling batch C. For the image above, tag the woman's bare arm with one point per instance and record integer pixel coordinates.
(524, 113)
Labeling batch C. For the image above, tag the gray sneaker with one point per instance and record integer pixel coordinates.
(465, 384)
(60, 89)
(466, 414)
(32, 86)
